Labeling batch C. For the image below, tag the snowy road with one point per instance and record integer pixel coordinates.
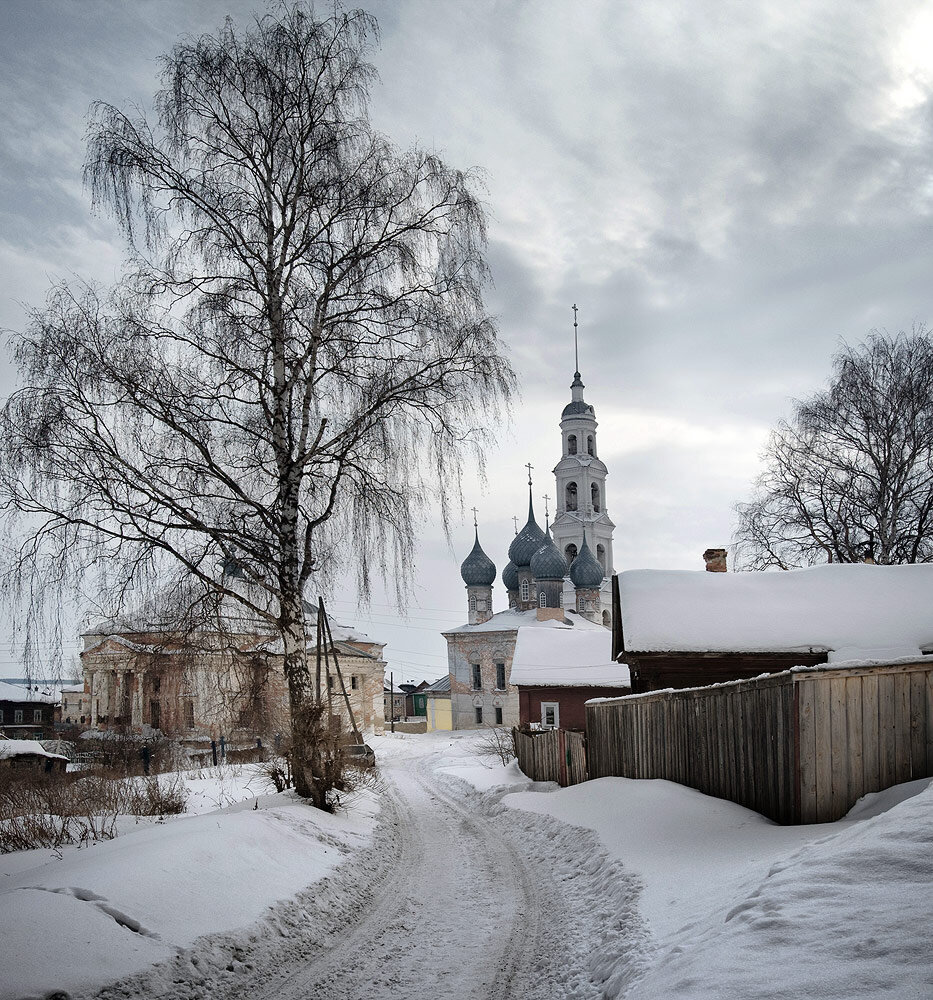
(457, 899)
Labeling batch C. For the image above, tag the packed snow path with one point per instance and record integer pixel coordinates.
(458, 898)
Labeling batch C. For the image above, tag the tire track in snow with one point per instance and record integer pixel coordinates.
(458, 898)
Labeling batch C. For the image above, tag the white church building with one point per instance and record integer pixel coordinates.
(556, 577)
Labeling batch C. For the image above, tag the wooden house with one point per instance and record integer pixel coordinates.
(682, 629)
(557, 670)
(26, 711)
(30, 755)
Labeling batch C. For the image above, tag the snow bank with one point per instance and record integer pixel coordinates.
(80, 917)
(857, 610)
(566, 657)
(742, 908)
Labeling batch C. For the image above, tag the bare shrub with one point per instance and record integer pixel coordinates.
(497, 743)
(277, 770)
(47, 810)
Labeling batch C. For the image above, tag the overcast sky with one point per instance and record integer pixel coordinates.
(726, 190)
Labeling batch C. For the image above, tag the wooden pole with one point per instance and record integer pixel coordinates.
(392, 699)
(343, 687)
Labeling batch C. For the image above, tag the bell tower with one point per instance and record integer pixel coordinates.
(581, 490)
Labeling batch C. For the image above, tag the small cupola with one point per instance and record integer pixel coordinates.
(585, 571)
(478, 570)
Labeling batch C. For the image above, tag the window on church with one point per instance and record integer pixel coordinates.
(526, 591)
(601, 557)
(500, 676)
(572, 444)
(498, 715)
(607, 619)
(571, 496)
(477, 677)
(542, 599)
(479, 715)
(581, 603)
(590, 446)
(594, 496)
(570, 553)
(472, 602)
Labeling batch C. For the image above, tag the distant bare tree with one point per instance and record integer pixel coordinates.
(300, 326)
(850, 477)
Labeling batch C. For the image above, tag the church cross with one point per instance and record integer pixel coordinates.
(576, 355)
(545, 498)
(515, 522)
(529, 467)
(475, 512)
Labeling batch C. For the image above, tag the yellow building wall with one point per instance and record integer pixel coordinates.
(440, 714)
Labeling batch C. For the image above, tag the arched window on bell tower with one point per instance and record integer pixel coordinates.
(601, 557)
(572, 444)
(571, 496)
(590, 446)
(570, 553)
(594, 497)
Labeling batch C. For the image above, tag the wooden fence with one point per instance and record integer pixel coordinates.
(551, 755)
(798, 746)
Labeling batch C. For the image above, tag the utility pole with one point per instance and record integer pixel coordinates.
(392, 699)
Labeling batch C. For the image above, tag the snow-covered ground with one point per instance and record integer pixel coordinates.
(473, 882)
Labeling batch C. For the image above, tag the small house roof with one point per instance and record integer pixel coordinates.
(22, 692)
(566, 657)
(23, 748)
(851, 611)
(512, 619)
(440, 686)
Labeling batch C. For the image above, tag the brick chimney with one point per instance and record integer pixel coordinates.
(715, 560)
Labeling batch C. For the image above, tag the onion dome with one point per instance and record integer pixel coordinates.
(547, 563)
(510, 576)
(527, 542)
(585, 571)
(478, 570)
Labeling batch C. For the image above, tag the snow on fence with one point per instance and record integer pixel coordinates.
(551, 755)
(799, 746)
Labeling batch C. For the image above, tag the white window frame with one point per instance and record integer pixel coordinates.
(545, 706)
(526, 590)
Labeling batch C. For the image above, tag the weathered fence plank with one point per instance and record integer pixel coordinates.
(797, 746)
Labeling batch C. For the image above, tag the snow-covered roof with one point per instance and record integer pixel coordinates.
(512, 619)
(72, 688)
(20, 692)
(19, 748)
(851, 611)
(566, 657)
(440, 686)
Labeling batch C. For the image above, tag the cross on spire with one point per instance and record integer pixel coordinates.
(576, 354)
(515, 522)
(529, 467)
(547, 516)
(475, 512)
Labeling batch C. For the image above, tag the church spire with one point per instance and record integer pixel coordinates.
(577, 384)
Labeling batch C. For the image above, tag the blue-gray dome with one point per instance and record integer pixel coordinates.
(510, 576)
(585, 571)
(575, 407)
(478, 570)
(527, 542)
(547, 563)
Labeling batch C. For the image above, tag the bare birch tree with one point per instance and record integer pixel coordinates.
(295, 362)
(850, 477)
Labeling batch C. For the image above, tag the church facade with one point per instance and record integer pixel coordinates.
(558, 577)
